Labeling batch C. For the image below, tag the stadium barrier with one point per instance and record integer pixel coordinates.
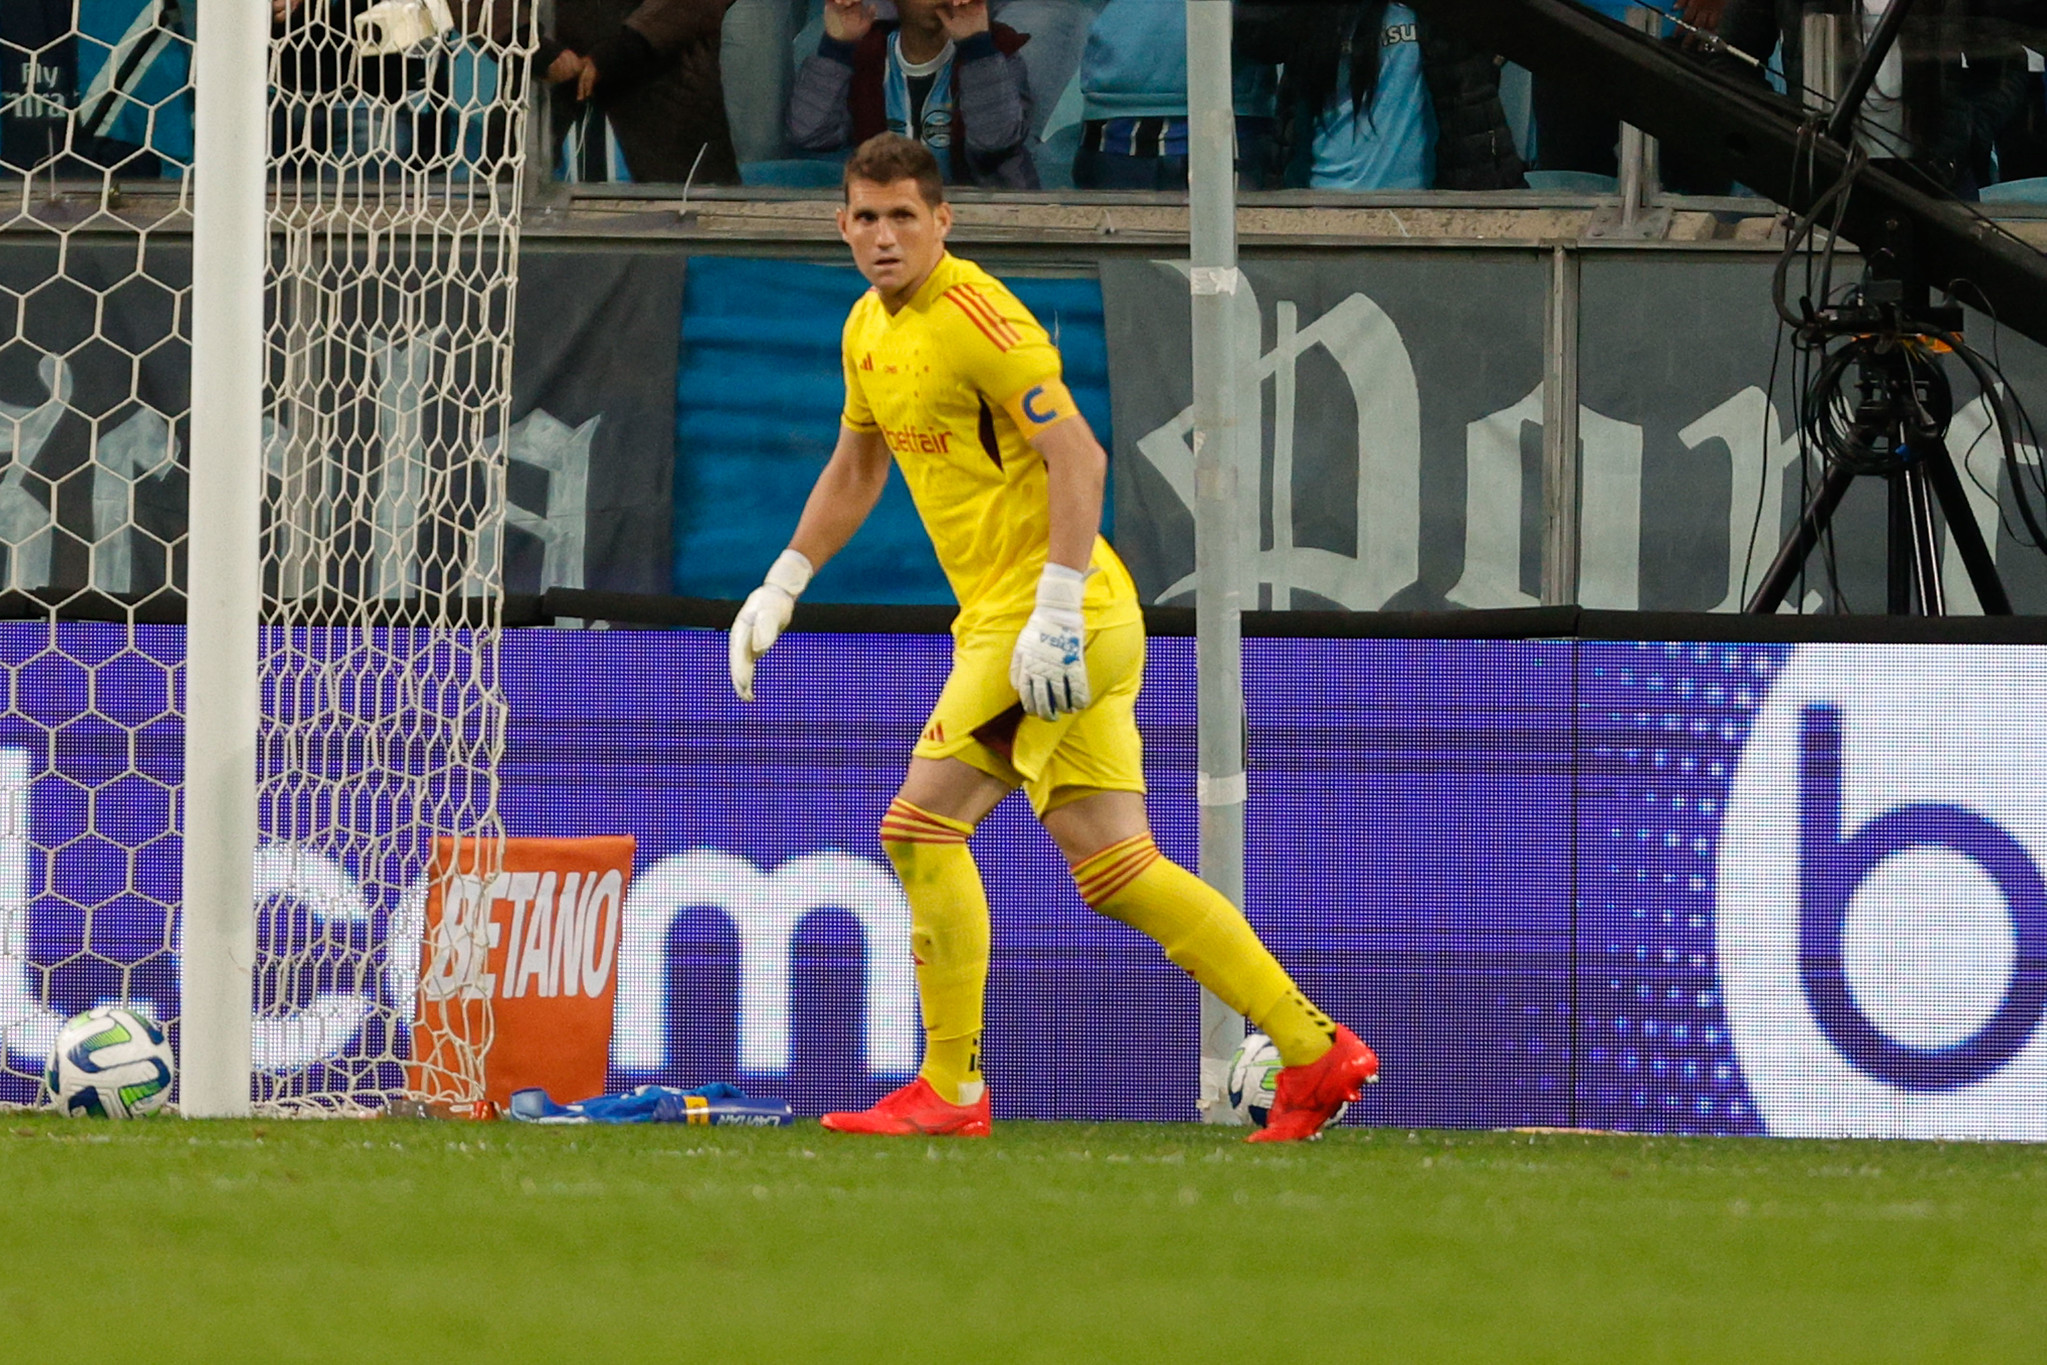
(671, 406)
(1562, 868)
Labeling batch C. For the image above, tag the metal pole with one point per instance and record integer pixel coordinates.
(1631, 157)
(1560, 457)
(1638, 149)
(1218, 501)
(542, 192)
(229, 262)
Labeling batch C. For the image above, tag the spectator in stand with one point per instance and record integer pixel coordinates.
(1355, 113)
(944, 75)
(135, 114)
(1754, 28)
(2022, 146)
(1577, 131)
(67, 110)
(1057, 30)
(1374, 98)
(1973, 107)
(1133, 84)
(641, 76)
(640, 92)
(755, 56)
(1759, 28)
(326, 100)
(1969, 89)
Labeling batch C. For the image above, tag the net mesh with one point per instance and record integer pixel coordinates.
(396, 132)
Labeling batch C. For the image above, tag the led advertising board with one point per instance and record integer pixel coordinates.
(1671, 887)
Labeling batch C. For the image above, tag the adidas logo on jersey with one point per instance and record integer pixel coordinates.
(867, 361)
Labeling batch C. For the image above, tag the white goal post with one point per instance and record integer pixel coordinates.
(224, 590)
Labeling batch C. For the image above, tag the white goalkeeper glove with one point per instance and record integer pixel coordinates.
(764, 616)
(1049, 667)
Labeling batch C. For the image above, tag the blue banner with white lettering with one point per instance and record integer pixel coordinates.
(91, 431)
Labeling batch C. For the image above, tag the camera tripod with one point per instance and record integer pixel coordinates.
(1888, 342)
(1898, 432)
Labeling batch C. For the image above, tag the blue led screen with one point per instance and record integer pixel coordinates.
(1657, 887)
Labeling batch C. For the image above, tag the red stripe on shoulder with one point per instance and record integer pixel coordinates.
(994, 315)
(978, 311)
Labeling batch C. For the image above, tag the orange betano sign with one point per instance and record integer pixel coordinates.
(516, 965)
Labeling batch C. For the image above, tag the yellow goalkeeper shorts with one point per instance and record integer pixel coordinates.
(979, 720)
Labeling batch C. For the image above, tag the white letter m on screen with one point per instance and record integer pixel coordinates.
(766, 908)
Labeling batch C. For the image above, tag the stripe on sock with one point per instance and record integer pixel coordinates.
(1115, 867)
(908, 824)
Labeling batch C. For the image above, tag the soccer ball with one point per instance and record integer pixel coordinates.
(110, 1062)
(1254, 1076)
(1254, 1081)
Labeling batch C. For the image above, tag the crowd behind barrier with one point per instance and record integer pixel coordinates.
(1012, 94)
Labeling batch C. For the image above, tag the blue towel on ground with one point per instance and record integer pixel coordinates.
(719, 1104)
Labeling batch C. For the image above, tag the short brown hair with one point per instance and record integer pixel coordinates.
(888, 157)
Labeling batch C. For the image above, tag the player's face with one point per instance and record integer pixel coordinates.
(896, 237)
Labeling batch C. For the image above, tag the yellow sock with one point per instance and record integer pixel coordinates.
(1208, 937)
(949, 937)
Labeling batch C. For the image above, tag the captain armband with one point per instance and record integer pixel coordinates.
(1039, 406)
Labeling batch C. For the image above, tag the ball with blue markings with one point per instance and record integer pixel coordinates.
(1254, 1081)
(1254, 1078)
(110, 1062)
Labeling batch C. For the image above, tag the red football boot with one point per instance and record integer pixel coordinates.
(916, 1111)
(1307, 1097)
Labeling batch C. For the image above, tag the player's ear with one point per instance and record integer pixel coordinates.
(844, 219)
(942, 215)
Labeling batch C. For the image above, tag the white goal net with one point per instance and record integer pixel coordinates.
(396, 153)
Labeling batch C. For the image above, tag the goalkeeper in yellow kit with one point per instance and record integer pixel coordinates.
(952, 377)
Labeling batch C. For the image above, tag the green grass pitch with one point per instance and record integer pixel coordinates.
(395, 1240)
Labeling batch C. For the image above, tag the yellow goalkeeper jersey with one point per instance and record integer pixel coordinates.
(957, 381)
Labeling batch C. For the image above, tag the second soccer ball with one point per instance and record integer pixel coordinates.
(1254, 1077)
(1254, 1080)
